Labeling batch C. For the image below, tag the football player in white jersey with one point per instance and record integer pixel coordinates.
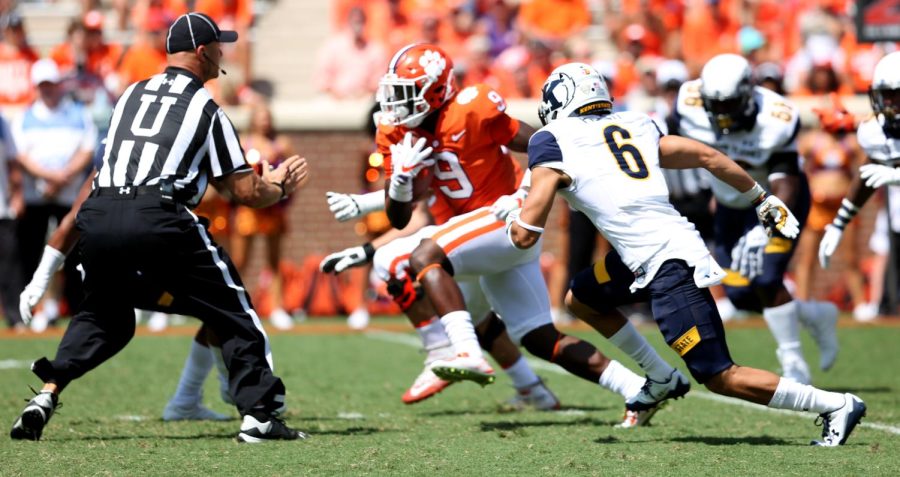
(879, 137)
(607, 165)
(757, 128)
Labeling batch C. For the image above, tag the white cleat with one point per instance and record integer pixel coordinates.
(793, 366)
(823, 329)
(281, 320)
(427, 384)
(536, 396)
(639, 418)
(838, 424)
(464, 368)
(197, 412)
(655, 392)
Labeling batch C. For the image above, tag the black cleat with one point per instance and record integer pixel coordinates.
(34, 417)
(255, 432)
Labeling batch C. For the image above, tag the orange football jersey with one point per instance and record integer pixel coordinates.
(471, 131)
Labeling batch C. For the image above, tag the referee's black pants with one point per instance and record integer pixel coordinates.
(140, 253)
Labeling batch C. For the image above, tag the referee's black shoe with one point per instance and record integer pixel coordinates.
(254, 431)
(34, 417)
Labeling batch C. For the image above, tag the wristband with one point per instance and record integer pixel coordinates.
(370, 250)
(845, 214)
(755, 195)
(528, 227)
(284, 192)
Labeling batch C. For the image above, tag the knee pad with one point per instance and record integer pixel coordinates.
(572, 354)
(404, 292)
(542, 342)
(492, 331)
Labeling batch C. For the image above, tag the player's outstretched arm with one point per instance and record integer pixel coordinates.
(350, 206)
(524, 227)
(519, 142)
(60, 244)
(857, 196)
(683, 153)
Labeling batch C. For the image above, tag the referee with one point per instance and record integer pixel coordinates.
(142, 247)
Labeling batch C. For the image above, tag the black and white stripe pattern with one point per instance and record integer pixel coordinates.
(845, 214)
(169, 128)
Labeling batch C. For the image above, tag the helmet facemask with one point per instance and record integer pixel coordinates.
(886, 102)
(402, 100)
(729, 114)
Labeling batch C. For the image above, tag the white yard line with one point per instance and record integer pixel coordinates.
(14, 364)
(413, 341)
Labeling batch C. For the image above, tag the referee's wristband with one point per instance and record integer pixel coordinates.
(845, 214)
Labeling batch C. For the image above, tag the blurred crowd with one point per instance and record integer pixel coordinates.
(809, 46)
(54, 112)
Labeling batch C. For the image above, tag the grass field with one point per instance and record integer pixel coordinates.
(344, 389)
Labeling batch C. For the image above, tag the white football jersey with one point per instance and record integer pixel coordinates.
(777, 123)
(613, 161)
(876, 144)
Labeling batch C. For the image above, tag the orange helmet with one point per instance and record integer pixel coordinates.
(419, 80)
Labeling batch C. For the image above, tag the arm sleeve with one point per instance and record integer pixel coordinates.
(543, 149)
(225, 153)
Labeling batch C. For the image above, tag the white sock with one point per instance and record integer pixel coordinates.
(633, 344)
(196, 367)
(783, 321)
(803, 397)
(433, 334)
(621, 380)
(521, 374)
(458, 325)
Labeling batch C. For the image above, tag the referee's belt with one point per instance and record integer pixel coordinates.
(130, 192)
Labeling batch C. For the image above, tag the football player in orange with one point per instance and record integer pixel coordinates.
(461, 138)
(390, 254)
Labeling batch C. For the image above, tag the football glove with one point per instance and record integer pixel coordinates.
(877, 175)
(747, 256)
(350, 206)
(508, 203)
(829, 243)
(351, 257)
(408, 160)
(51, 261)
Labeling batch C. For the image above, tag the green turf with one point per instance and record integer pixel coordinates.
(345, 391)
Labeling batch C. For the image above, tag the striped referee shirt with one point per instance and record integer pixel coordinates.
(168, 128)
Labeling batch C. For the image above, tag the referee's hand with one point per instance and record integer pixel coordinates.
(290, 175)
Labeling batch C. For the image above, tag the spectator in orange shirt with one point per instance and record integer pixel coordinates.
(708, 30)
(16, 58)
(350, 65)
(144, 9)
(147, 56)
(234, 15)
(85, 50)
(553, 20)
(475, 67)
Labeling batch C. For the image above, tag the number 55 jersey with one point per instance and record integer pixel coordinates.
(617, 182)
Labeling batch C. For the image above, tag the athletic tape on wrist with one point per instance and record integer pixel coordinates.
(845, 214)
